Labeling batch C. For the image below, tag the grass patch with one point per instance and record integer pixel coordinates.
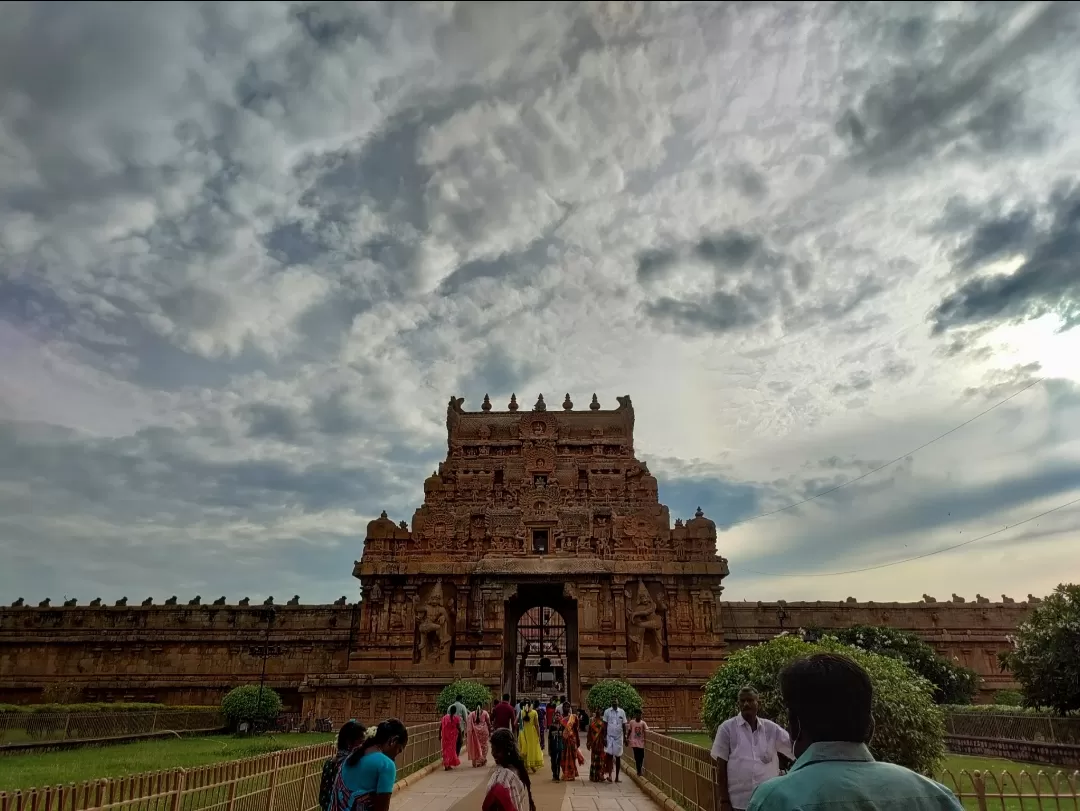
(76, 765)
(955, 764)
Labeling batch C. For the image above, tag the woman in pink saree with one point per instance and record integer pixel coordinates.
(478, 731)
(448, 732)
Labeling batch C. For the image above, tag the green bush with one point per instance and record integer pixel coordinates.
(601, 693)
(118, 707)
(1044, 656)
(248, 704)
(989, 709)
(908, 726)
(953, 683)
(471, 692)
(1009, 698)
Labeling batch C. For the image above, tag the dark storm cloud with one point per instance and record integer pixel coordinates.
(266, 420)
(964, 100)
(1047, 282)
(752, 282)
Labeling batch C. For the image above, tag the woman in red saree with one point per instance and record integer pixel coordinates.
(448, 733)
(478, 730)
(595, 741)
(509, 788)
(570, 750)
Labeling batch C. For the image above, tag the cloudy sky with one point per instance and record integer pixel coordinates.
(248, 251)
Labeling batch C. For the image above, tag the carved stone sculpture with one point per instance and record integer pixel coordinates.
(95, 603)
(197, 600)
(295, 600)
(341, 601)
(644, 626)
(71, 603)
(19, 603)
(1007, 600)
(1033, 600)
(122, 602)
(958, 599)
(171, 600)
(980, 599)
(245, 602)
(45, 603)
(148, 601)
(926, 598)
(220, 600)
(269, 600)
(433, 626)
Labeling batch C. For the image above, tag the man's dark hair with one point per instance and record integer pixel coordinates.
(458, 698)
(506, 697)
(829, 697)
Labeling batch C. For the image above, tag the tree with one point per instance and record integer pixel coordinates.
(601, 693)
(250, 703)
(471, 692)
(953, 683)
(908, 727)
(1045, 658)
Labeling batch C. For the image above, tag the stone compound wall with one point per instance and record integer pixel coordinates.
(1058, 754)
(172, 654)
(194, 654)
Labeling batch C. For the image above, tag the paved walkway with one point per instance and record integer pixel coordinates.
(462, 789)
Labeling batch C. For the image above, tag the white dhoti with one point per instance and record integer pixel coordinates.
(614, 745)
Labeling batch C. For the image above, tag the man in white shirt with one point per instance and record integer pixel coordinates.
(746, 747)
(615, 718)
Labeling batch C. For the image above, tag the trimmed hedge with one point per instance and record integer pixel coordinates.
(601, 693)
(471, 692)
(250, 703)
(1003, 709)
(101, 706)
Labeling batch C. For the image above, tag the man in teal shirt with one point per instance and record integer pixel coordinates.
(828, 699)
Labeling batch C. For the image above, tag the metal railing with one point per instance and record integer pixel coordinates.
(682, 772)
(279, 781)
(1013, 726)
(987, 791)
(19, 728)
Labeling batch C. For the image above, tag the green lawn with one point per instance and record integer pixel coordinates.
(76, 765)
(950, 774)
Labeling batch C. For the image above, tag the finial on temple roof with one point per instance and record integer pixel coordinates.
(513, 406)
(567, 404)
(383, 514)
(487, 404)
(595, 404)
(540, 404)
(699, 513)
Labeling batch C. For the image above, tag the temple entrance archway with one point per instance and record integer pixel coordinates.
(540, 653)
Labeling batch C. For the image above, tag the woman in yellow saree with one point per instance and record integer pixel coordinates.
(530, 735)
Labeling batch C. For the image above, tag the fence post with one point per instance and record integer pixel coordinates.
(980, 789)
(718, 797)
(177, 799)
(153, 722)
(275, 767)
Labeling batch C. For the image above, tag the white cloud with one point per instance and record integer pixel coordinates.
(250, 249)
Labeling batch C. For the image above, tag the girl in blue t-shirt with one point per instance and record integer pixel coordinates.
(366, 779)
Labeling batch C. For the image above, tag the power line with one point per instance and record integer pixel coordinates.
(925, 554)
(887, 464)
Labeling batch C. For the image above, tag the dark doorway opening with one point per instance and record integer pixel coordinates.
(540, 650)
(540, 541)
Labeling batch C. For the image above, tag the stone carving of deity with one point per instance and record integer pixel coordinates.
(433, 624)
(644, 627)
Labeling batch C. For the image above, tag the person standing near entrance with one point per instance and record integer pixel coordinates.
(615, 718)
(746, 747)
(460, 710)
(502, 715)
(555, 742)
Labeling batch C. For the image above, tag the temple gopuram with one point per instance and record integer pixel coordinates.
(540, 562)
(541, 549)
